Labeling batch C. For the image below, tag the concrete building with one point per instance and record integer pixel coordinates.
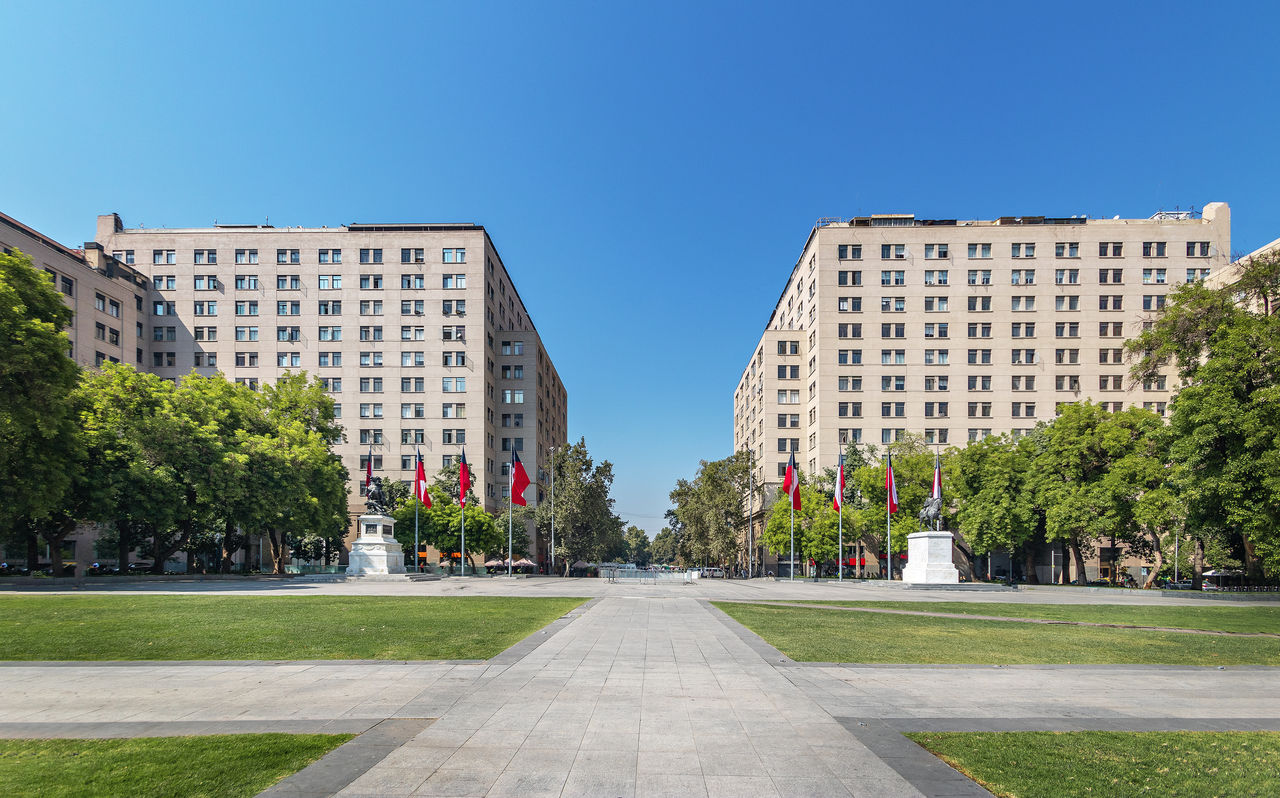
(416, 329)
(957, 330)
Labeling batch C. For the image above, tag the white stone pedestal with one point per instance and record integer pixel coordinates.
(376, 551)
(929, 559)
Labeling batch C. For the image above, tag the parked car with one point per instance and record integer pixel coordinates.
(1184, 584)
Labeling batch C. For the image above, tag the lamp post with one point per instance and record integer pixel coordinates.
(552, 451)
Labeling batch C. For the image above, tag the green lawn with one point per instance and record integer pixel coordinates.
(181, 767)
(822, 635)
(1121, 764)
(260, 627)
(1219, 619)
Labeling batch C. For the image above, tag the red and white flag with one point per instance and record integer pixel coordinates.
(937, 477)
(519, 479)
(420, 484)
(368, 470)
(791, 483)
(891, 486)
(837, 501)
(464, 479)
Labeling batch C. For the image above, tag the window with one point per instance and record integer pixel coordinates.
(1066, 382)
(893, 304)
(371, 282)
(849, 252)
(893, 409)
(1024, 409)
(413, 256)
(979, 277)
(370, 256)
(330, 307)
(1196, 274)
(204, 333)
(287, 256)
(1024, 329)
(935, 409)
(1197, 249)
(1153, 249)
(1022, 277)
(849, 304)
(205, 308)
(453, 384)
(935, 436)
(980, 357)
(100, 331)
(517, 348)
(894, 357)
(979, 251)
(784, 444)
(934, 304)
(288, 282)
(1066, 303)
(979, 434)
(784, 372)
(1110, 302)
(247, 359)
(163, 282)
(849, 357)
(789, 420)
(163, 309)
(1021, 382)
(1066, 276)
(1023, 303)
(1155, 407)
(454, 281)
(1115, 276)
(330, 333)
(247, 308)
(410, 333)
(849, 278)
(517, 420)
(246, 333)
(1155, 384)
(164, 333)
(326, 282)
(1111, 382)
(1067, 250)
(1065, 356)
(1022, 250)
(288, 359)
(329, 256)
(1110, 355)
(1065, 329)
(977, 383)
(979, 410)
(330, 359)
(893, 382)
(784, 397)
(1023, 357)
(413, 281)
(894, 277)
(515, 396)
(938, 277)
(1110, 329)
(1110, 249)
(124, 256)
(370, 385)
(893, 251)
(100, 302)
(372, 359)
(205, 282)
(979, 330)
(891, 435)
(454, 358)
(371, 333)
(935, 383)
(453, 410)
(893, 330)
(69, 286)
(849, 409)
(937, 357)
(980, 303)
(1153, 302)
(288, 333)
(1154, 276)
(453, 333)
(246, 282)
(246, 256)
(849, 435)
(849, 383)
(371, 307)
(454, 307)
(165, 256)
(935, 252)
(287, 308)
(453, 256)
(932, 330)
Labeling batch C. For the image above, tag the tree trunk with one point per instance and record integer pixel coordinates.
(33, 549)
(1078, 556)
(1029, 565)
(1252, 562)
(1197, 565)
(1155, 572)
(124, 536)
(55, 535)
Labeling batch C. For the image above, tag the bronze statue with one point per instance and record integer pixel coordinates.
(375, 500)
(931, 511)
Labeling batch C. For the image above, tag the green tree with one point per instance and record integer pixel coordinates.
(913, 474)
(711, 510)
(38, 441)
(815, 527)
(664, 548)
(637, 546)
(586, 526)
(1225, 419)
(988, 485)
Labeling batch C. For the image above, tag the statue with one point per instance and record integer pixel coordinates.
(375, 500)
(931, 511)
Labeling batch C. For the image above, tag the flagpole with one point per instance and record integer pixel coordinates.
(511, 477)
(840, 514)
(888, 527)
(415, 527)
(793, 542)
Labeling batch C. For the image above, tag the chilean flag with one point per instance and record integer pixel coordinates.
(420, 484)
(519, 479)
(791, 483)
(368, 470)
(937, 478)
(891, 486)
(464, 479)
(837, 501)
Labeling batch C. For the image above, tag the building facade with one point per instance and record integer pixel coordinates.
(416, 330)
(957, 330)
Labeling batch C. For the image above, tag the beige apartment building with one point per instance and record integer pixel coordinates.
(957, 330)
(417, 330)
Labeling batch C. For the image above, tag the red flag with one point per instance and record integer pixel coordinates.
(791, 483)
(519, 479)
(368, 470)
(837, 501)
(420, 484)
(937, 477)
(464, 479)
(891, 486)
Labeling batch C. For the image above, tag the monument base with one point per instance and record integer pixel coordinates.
(376, 551)
(929, 559)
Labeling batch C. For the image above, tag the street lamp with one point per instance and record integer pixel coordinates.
(552, 451)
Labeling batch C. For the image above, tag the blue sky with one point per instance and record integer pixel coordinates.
(649, 172)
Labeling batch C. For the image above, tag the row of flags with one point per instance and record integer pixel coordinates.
(791, 483)
(518, 482)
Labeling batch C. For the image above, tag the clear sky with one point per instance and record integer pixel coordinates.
(649, 171)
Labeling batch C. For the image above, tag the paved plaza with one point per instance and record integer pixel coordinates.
(645, 690)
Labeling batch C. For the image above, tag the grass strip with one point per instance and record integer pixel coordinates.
(1217, 619)
(215, 766)
(824, 635)
(268, 627)
(1100, 764)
